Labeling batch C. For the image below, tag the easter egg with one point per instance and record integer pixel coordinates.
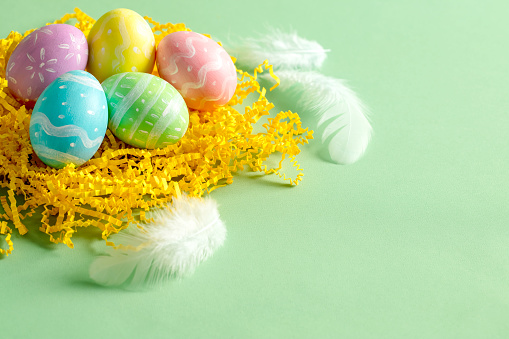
(120, 41)
(144, 110)
(69, 120)
(42, 56)
(200, 69)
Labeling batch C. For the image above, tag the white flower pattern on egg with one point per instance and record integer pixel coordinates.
(77, 44)
(35, 35)
(40, 58)
(39, 66)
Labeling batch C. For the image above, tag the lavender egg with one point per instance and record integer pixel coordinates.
(42, 56)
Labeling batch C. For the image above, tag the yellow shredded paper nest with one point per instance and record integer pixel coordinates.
(120, 179)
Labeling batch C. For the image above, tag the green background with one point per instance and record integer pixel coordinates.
(410, 242)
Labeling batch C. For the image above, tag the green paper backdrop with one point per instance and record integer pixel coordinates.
(410, 242)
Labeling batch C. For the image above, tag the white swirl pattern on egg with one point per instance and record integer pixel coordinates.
(200, 69)
(69, 120)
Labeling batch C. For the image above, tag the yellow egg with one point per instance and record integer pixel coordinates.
(120, 41)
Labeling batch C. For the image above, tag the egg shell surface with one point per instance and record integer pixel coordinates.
(69, 120)
(120, 41)
(144, 110)
(42, 56)
(199, 68)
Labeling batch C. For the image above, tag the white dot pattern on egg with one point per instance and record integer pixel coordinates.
(62, 131)
(141, 117)
(120, 41)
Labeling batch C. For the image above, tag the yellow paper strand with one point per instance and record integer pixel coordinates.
(121, 181)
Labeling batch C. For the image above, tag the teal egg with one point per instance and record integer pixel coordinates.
(69, 120)
(144, 110)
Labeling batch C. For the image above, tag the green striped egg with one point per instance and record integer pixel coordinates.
(144, 110)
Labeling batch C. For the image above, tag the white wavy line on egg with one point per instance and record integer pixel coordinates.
(52, 154)
(83, 80)
(126, 42)
(64, 131)
(141, 117)
(172, 67)
(128, 101)
(166, 119)
(211, 66)
(223, 92)
(103, 26)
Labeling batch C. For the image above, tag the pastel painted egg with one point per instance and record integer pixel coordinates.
(144, 110)
(120, 41)
(200, 69)
(44, 55)
(69, 120)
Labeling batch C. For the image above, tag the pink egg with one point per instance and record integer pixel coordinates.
(44, 55)
(200, 69)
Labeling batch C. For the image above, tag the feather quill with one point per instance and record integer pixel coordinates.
(181, 236)
(338, 114)
(283, 50)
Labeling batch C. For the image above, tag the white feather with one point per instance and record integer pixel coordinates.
(283, 50)
(337, 112)
(182, 235)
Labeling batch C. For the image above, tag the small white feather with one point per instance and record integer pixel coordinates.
(338, 113)
(182, 235)
(283, 50)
